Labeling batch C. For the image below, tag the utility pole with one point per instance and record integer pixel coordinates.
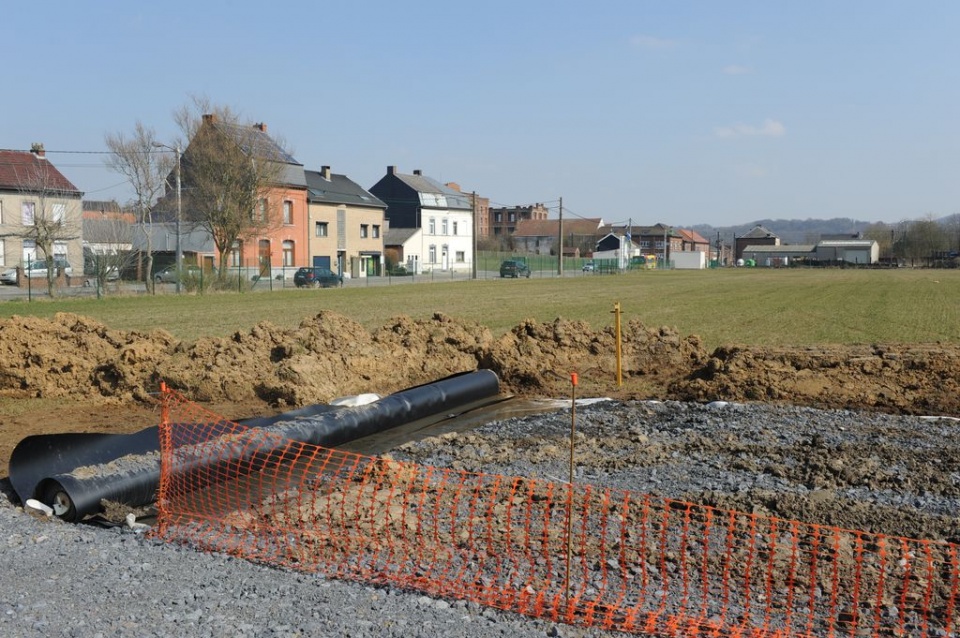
(179, 249)
(560, 244)
(474, 201)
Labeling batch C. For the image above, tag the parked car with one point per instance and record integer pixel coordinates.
(36, 268)
(588, 267)
(169, 274)
(316, 278)
(514, 268)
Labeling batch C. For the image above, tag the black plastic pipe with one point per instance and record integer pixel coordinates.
(74, 473)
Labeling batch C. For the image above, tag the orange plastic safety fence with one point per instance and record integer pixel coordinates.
(640, 564)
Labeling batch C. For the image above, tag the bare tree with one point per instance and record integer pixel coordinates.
(51, 210)
(107, 247)
(229, 170)
(136, 158)
(883, 235)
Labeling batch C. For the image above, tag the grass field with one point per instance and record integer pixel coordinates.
(726, 306)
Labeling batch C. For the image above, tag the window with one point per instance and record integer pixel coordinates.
(28, 210)
(364, 231)
(513, 217)
(235, 251)
(433, 226)
(59, 213)
(260, 214)
(320, 229)
(454, 228)
(3, 251)
(287, 212)
(499, 217)
(444, 225)
(461, 257)
(29, 250)
(432, 258)
(287, 253)
(60, 251)
(376, 231)
(1, 211)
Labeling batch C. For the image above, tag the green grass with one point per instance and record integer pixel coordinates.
(726, 306)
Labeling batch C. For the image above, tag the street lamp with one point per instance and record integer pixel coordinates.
(179, 210)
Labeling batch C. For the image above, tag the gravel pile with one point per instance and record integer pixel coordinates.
(77, 580)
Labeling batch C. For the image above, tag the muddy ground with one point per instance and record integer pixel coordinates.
(87, 377)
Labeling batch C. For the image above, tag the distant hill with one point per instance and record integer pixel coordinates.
(790, 231)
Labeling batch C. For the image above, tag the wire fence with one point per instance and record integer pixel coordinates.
(577, 554)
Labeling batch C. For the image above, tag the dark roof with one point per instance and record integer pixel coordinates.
(757, 232)
(255, 142)
(19, 171)
(397, 236)
(444, 196)
(339, 189)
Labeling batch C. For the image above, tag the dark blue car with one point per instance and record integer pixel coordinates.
(316, 278)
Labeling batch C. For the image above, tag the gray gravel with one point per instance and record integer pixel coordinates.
(75, 580)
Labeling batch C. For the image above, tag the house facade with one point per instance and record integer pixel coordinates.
(542, 236)
(658, 240)
(502, 221)
(282, 241)
(347, 225)
(758, 236)
(443, 215)
(38, 206)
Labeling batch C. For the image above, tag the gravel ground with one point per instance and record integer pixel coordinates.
(77, 580)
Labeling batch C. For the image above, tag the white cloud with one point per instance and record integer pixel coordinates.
(651, 42)
(769, 128)
(736, 69)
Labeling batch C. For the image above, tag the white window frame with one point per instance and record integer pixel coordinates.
(288, 248)
(287, 212)
(59, 213)
(321, 229)
(28, 213)
(432, 256)
(433, 227)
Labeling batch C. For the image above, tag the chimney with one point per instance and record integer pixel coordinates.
(37, 149)
(391, 170)
(209, 118)
(418, 172)
(325, 171)
(260, 126)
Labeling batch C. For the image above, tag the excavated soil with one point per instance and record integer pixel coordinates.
(86, 377)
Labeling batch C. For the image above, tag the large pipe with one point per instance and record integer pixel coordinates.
(74, 473)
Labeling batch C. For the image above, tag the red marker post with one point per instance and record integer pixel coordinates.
(573, 430)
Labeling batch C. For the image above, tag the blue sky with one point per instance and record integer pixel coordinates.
(677, 112)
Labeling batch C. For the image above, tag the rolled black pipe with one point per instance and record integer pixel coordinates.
(74, 473)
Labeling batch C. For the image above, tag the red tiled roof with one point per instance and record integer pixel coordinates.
(24, 171)
(551, 227)
(692, 235)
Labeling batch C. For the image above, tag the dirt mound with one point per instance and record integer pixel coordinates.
(329, 355)
(890, 378)
(73, 356)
